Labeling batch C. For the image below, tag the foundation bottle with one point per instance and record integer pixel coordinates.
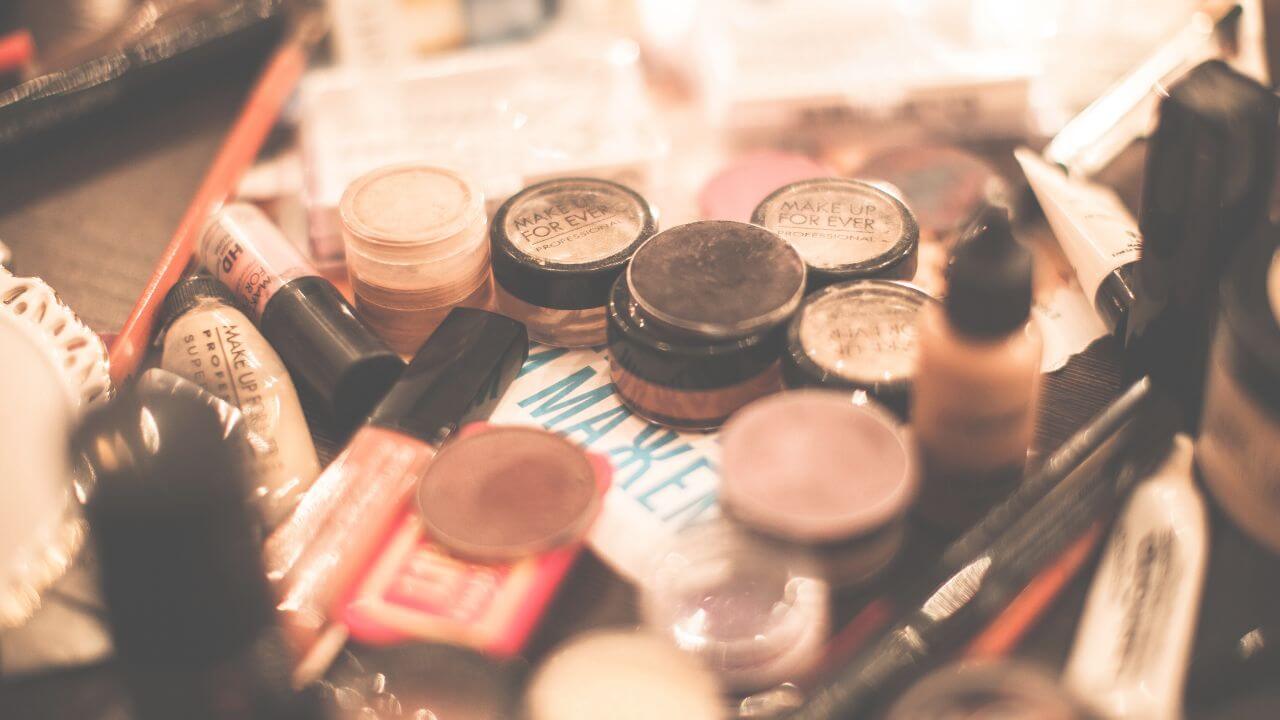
(416, 248)
(211, 343)
(978, 376)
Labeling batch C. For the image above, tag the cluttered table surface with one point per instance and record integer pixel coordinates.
(89, 208)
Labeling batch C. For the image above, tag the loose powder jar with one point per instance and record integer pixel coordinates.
(557, 248)
(857, 335)
(754, 612)
(844, 229)
(697, 323)
(415, 241)
(814, 469)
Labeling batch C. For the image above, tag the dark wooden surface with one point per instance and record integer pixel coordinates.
(90, 208)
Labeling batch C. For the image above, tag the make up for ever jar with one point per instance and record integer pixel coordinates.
(557, 248)
(858, 336)
(844, 229)
(697, 323)
(416, 248)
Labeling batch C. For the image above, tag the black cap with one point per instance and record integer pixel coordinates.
(191, 291)
(338, 363)
(178, 548)
(989, 279)
(568, 285)
(457, 376)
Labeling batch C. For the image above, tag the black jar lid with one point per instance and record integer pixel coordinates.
(716, 279)
(1251, 318)
(844, 229)
(654, 353)
(857, 335)
(561, 243)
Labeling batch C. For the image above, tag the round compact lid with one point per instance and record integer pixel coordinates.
(944, 185)
(561, 243)
(424, 680)
(409, 204)
(841, 226)
(717, 278)
(735, 190)
(861, 333)
(814, 466)
(508, 492)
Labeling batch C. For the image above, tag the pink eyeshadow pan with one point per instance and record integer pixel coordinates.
(814, 468)
(734, 192)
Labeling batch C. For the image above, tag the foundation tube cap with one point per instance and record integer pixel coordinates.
(456, 377)
(560, 244)
(178, 548)
(989, 278)
(812, 466)
(844, 229)
(191, 291)
(331, 354)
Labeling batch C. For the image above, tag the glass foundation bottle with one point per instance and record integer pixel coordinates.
(416, 248)
(211, 343)
(978, 377)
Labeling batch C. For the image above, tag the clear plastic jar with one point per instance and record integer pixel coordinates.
(416, 248)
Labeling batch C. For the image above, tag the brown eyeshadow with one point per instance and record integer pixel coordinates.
(508, 492)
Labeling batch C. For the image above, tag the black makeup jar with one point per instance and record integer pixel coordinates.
(697, 323)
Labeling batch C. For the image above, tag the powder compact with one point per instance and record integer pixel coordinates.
(857, 335)
(508, 492)
(557, 248)
(697, 323)
(844, 229)
(815, 469)
(753, 612)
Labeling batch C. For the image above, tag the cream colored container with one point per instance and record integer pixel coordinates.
(416, 248)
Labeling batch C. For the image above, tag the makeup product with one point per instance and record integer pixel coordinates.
(180, 559)
(622, 675)
(984, 571)
(860, 335)
(1095, 231)
(508, 493)
(52, 369)
(415, 590)
(1208, 176)
(697, 324)
(1133, 642)
(1100, 132)
(973, 405)
(752, 612)
(944, 186)
(557, 248)
(261, 109)
(844, 229)
(815, 469)
(734, 191)
(329, 352)
(211, 343)
(423, 682)
(319, 551)
(1005, 690)
(415, 249)
(1238, 451)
